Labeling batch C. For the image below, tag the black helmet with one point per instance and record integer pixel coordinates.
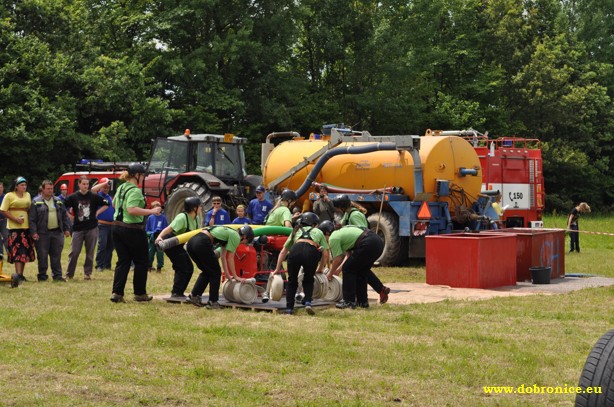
(342, 201)
(288, 195)
(248, 232)
(308, 219)
(191, 203)
(136, 168)
(327, 226)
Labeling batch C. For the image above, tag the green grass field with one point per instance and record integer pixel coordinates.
(67, 344)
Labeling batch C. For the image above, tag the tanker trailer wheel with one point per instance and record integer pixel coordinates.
(174, 204)
(389, 231)
(599, 372)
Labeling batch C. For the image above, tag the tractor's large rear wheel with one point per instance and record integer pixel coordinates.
(389, 231)
(174, 204)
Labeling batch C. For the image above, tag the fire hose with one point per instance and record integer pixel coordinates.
(258, 231)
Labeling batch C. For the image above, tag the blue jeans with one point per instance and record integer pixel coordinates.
(105, 246)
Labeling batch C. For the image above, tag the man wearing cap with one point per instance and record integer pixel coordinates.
(63, 193)
(259, 207)
(85, 206)
(105, 226)
(48, 227)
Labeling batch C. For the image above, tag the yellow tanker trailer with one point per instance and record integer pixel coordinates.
(411, 186)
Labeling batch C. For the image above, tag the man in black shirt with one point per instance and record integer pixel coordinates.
(85, 206)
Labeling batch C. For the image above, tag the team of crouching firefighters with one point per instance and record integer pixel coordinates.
(351, 246)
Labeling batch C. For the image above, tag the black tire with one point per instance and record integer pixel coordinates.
(598, 372)
(389, 231)
(174, 204)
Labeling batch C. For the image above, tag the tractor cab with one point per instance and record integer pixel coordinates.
(200, 165)
(218, 155)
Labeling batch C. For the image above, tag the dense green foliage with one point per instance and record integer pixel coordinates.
(91, 78)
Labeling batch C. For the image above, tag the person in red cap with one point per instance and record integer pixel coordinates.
(63, 193)
(105, 226)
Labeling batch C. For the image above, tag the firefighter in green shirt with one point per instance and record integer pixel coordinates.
(363, 247)
(201, 249)
(352, 215)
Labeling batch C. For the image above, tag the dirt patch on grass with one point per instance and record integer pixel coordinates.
(420, 293)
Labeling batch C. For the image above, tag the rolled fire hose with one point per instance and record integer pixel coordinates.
(259, 230)
(334, 290)
(241, 292)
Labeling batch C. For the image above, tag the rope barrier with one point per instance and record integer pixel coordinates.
(589, 232)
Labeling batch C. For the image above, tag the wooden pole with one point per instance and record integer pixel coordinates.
(381, 207)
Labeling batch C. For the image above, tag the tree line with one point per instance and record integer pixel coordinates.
(101, 78)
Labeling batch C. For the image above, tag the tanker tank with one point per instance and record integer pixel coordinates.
(441, 157)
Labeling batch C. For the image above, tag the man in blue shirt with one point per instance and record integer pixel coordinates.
(259, 207)
(105, 227)
(217, 215)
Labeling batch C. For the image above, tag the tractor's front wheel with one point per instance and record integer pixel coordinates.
(174, 204)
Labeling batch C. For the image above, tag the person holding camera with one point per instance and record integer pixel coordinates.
(323, 206)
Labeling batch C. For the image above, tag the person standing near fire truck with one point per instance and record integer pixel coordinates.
(129, 235)
(572, 225)
(85, 206)
(105, 226)
(48, 227)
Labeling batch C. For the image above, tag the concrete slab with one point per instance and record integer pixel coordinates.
(421, 293)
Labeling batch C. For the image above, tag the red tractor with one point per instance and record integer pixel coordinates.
(202, 165)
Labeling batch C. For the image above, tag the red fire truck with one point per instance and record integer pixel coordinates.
(512, 166)
(95, 170)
